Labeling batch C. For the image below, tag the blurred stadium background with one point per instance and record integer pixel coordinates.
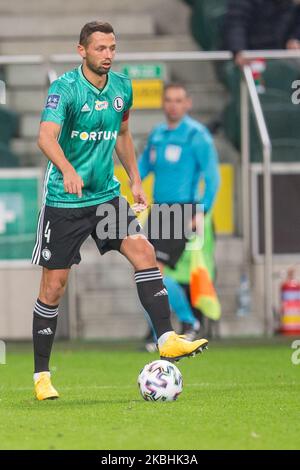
(37, 43)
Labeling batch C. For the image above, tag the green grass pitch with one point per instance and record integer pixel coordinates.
(236, 396)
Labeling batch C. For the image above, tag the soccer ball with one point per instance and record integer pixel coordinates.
(160, 381)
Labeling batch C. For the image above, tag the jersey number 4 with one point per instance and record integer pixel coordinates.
(47, 232)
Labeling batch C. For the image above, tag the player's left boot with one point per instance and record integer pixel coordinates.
(44, 389)
(176, 347)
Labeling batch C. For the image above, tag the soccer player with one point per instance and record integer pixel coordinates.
(85, 117)
(180, 153)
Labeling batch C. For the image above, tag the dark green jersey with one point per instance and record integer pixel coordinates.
(90, 121)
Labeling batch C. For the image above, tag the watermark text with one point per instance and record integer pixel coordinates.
(2, 352)
(296, 354)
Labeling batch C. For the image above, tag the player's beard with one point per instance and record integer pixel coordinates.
(97, 70)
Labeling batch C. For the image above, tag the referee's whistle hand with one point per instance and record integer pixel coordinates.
(73, 183)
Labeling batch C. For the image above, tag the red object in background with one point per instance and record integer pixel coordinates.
(258, 67)
(290, 305)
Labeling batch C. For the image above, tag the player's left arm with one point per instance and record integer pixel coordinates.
(126, 153)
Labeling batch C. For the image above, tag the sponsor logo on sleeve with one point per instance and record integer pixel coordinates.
(52, 101)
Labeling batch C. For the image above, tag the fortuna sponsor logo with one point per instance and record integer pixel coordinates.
(102, 135)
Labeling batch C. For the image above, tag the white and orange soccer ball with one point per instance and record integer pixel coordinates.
(160, 381)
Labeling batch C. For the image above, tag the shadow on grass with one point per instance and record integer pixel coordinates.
(69, 403)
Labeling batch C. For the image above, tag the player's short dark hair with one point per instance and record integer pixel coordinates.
(93, 27)
(168, 86)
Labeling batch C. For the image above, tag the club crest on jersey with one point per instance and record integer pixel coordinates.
(101, 105)
(118, 104)
(46, 254)
(52, 101)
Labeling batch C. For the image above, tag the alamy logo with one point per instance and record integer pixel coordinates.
(2, 92)
(296, 354)
(2, 352)
(296, 94)
(165, 222)
(46, 331)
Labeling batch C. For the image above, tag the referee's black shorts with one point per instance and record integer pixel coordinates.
(169, 249)
(62, 231)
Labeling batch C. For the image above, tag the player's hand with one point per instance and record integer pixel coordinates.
(240, 59)
(139, 197)
(293, 44)
(73, 183)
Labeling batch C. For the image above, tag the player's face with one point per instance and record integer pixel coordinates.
(176, 104)
(100, 52)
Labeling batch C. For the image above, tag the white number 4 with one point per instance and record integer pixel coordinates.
(47, 232)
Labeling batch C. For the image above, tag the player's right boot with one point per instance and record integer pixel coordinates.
(176, 347)
(44, 389)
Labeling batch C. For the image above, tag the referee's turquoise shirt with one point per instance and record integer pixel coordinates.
(179, 158)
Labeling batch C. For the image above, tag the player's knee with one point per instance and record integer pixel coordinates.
(146, 254)
(53, 290)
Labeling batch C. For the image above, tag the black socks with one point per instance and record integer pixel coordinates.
(154, 298)
(43, 332)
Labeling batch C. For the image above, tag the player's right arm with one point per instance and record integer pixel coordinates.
(54, 114)
(48, 143)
